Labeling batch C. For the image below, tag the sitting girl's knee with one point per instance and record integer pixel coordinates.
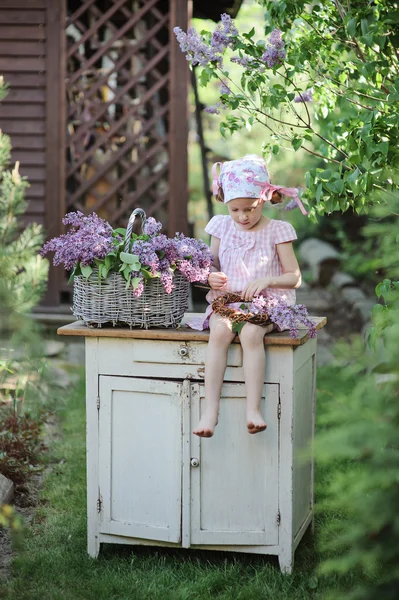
(220, 337)
(251, 335)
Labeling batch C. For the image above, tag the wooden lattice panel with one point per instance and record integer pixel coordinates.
(117, 107)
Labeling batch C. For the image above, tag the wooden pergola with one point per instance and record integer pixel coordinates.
(97, 109)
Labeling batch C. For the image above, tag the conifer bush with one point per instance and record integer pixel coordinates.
(23, 277)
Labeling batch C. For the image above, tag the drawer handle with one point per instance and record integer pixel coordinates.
(194, 462)
(183, 351)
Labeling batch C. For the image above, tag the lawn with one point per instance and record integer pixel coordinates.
(52, 564)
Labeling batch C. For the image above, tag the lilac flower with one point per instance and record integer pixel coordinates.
(139, 288)
(273, 57)
(224, 89)
(240, 60)
(275, 53)
(92, 238)
(228, 25)
(213, 110)
(285, 316)
(276, 40)
(194, 258)
(291, 205)
(306, 96)
(152, 226)
(89, 238)
(223, 35)
(196, 50)
(167, 281)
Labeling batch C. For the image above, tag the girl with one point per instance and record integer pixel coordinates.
(253, 255)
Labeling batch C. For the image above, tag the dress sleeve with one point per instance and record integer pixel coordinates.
(215, 226)
(284, 232)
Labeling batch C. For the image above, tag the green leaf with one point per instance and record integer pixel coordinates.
(325, 175)
(72, 275)
(129, 258)
(296, 142)
(135, 281)
(383, 289)
(237, 327)
(108, 261)
(351, 27)
(275, 149)
(249, 35)
(86, 270)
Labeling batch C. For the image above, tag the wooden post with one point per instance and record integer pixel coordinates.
(203, 150)
(55, 132)
(178, 122)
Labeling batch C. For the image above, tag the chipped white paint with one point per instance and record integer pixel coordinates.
(152, 482)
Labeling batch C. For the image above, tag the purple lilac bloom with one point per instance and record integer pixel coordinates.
(283, 315)
(276, 40)
(291, 205)
(152, 226)
(196, 50)
(194, 258)
(306, 96)
(223, 34)
(167, 281)
(275, 53)
(140, 287)
(162, 255)
(240, 60)
(228, 25)
(224, 89)
(213, 110)
(199, 52)
(89, 238)
(147, 255)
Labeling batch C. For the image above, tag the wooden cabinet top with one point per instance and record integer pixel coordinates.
(182, 333)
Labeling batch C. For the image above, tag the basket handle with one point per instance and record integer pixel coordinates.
(137, 212)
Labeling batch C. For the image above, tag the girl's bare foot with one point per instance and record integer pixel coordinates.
(255, 422)
(206, 426)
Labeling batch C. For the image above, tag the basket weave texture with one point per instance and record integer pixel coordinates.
(108, 301)
(220, 305)
(97, 301)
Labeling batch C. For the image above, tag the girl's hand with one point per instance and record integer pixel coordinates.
(217, 280)
(254, 287)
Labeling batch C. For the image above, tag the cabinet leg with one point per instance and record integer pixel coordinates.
(286, 562)
(93, 546)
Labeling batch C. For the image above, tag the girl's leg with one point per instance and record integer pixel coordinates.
(220, 339)
(254, 363)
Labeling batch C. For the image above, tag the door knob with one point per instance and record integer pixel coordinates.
(194, 462)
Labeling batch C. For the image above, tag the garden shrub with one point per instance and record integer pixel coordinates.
(21, 445)
(359, 446)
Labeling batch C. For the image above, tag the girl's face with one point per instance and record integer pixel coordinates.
(245, 212)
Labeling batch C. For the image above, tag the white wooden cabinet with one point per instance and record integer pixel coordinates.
(151, 481)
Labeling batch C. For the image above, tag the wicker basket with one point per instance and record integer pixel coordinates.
(99, 301)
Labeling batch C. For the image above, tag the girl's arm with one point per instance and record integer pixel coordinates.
(215, 243)
(291, 278)
(216, 278)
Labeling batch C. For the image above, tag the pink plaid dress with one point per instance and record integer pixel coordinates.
(246, 255)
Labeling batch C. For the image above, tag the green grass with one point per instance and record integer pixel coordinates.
(52, 563)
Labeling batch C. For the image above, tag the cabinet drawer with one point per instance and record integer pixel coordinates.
(157, 358)
(186, 353)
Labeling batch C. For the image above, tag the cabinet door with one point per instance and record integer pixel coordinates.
(234, 488)
(140, 454)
